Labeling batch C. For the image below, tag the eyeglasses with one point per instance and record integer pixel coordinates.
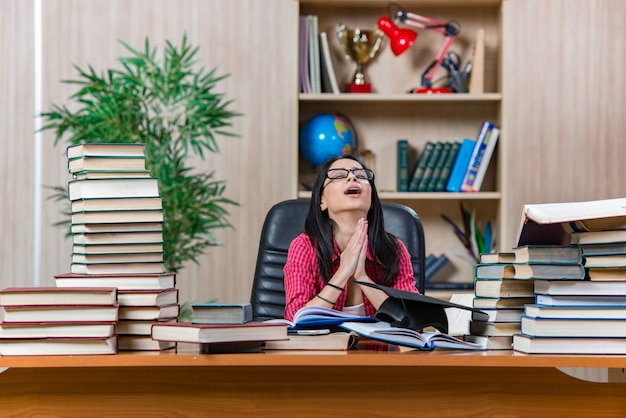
(342, 173)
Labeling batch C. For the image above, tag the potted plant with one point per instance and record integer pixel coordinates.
(172, 108)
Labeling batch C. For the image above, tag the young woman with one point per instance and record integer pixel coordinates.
(345, 241)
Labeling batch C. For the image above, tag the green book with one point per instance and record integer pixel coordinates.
(421, 165)
(442, 180)
(403, 165)
(434, 177)
(430, 166)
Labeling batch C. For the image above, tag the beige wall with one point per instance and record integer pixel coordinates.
(565, 103)
(564, 106)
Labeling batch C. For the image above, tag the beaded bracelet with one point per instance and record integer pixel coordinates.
(335, 286)
(326, 300)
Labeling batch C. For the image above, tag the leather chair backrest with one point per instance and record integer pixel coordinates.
(285, 221)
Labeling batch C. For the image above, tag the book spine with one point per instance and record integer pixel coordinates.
(329, 79)
(421, 166)
(314, 55)
(403, 165)
(492, 140)
(434, 177)
(460, 166)
(305, 78)
(477, 155)
(446, 169)
(430, 166)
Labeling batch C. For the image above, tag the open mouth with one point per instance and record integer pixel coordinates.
(353, 191)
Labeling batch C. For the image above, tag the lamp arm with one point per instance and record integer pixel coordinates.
(448, 30)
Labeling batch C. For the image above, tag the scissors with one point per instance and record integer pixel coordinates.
(452, 61)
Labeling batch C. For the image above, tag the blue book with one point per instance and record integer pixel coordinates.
(460, 165)
(478, 153)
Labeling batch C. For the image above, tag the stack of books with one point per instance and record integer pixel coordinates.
(502, 297)
(220, 328)
(117, 232)
(572, 315)
(54, 321)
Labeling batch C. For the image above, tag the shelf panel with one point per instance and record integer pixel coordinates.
(384, 3)
(420, 98)
(426, 196)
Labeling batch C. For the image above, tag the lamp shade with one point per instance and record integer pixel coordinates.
(399, 39)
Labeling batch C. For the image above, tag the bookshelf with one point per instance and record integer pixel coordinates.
(389, 113)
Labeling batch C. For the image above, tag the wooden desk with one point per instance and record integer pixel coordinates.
(285, 384)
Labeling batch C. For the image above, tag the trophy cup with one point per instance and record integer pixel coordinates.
(360, 46)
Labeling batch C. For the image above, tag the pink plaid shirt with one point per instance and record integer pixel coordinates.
(303, 280)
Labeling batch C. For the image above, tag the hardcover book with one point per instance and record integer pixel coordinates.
(105, 149)
(481, 155)
(133, 227)
(561, 254)
(505, 288)
(403, 165)
(560, 345)
(446, 168)
(573, 327)
(37, 296)
(218, 333)
(221, 313)
(455, 180)
(58, 346)
(106, 163)
(549, 271)
(422, 161)
(58, 313)
(331, 341)
(120, 281)
(142, 343)
(117, 216)
(117, 248)
(550, 223)
(113, 188)
(116, 258)
(100, 238)
(580, 287)
(148, 297)
(118, 268)
(56, 330)
(149, 313)
(114, 204)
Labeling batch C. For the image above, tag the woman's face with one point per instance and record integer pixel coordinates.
(350, 193)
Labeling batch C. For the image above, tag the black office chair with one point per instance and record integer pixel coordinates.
(285, 221)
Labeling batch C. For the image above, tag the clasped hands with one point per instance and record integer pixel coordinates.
(352, 263)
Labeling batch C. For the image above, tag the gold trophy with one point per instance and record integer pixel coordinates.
(361, 46)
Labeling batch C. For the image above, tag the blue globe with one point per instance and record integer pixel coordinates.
(325, 136)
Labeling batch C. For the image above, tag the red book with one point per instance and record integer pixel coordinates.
(36, 296)
(187, 332)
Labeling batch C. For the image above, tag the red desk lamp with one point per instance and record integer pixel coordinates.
(402, 39)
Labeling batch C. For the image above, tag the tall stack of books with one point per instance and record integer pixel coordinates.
(502, 297)
(54, 321)
(579, 316)
(117, 232)
(220, 328)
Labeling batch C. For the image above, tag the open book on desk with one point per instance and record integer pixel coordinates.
(323, 342)
(319, 317)
(383, 331)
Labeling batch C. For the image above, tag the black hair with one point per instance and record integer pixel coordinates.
(319, 228)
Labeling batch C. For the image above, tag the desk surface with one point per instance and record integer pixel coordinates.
(188, 355)
(362, 382)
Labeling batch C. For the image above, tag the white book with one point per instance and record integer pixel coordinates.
(329, 79)
(107, 188)
(314, 55)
